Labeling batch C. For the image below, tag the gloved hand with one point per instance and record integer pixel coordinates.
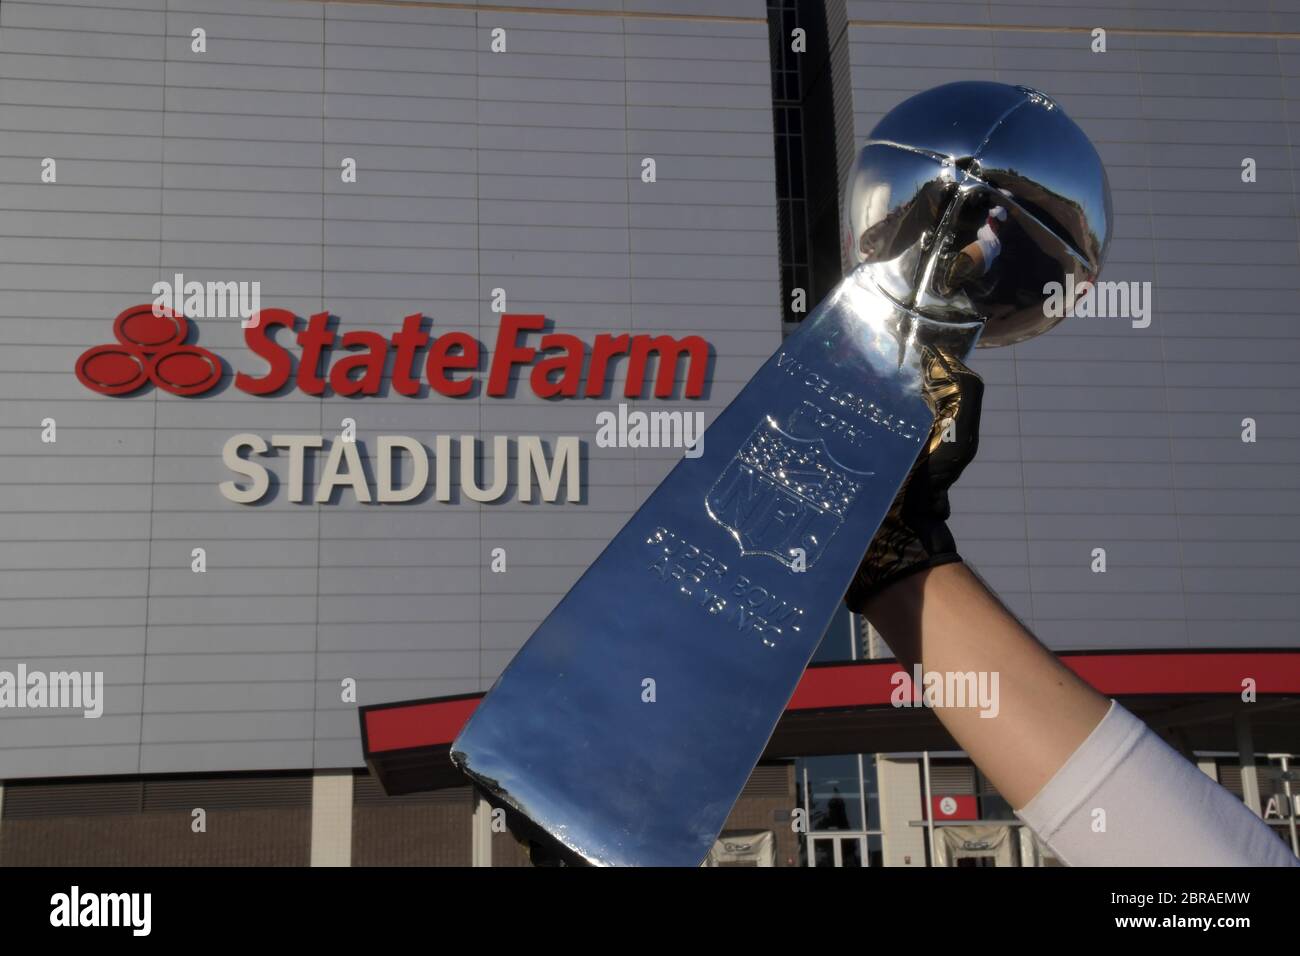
(914, 535)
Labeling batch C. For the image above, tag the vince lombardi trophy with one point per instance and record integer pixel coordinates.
(966, 204)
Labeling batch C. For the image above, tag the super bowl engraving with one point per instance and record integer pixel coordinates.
(782, 496)
(697, 575)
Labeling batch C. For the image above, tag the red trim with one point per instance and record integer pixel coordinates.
(435, 723)
(844, 685)
(869, 685)
(1274, 672)
(430, 724)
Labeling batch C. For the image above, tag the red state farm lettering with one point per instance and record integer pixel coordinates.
(572, 356)
(257, 337)
(318, 359)
(554, 366)
(443, 360)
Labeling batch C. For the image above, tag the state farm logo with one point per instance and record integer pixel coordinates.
(314, 357)
(412, 361)
(150, 348)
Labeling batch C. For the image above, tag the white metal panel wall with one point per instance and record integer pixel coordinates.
(476, 171)
(1101, 435)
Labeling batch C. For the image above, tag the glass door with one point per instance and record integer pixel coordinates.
(839, 797)
(837, 851)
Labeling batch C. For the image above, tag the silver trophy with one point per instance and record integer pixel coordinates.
(629, 722)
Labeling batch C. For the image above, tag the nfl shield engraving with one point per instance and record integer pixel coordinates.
(720, 587)
(783, 496)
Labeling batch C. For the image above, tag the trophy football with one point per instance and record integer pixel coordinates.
(629, 722)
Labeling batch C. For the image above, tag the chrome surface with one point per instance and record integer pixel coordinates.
(968, 198)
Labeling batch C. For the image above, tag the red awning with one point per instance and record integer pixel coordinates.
(1191, 696)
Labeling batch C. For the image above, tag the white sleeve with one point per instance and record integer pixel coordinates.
(1159, 809)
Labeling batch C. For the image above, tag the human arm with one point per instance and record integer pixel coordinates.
(945, 619)
(1094, 782)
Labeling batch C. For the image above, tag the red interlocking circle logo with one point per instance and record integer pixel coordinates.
(151, 349)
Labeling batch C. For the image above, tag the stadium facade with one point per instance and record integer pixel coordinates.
(662, 171)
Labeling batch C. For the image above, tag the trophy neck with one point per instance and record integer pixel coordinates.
(955, 336)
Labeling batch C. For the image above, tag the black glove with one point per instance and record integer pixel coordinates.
(914, 535)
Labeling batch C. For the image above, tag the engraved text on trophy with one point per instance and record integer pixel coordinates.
(783, 496)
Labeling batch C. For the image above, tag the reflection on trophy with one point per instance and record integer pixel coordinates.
(969, 198)
(965, 203)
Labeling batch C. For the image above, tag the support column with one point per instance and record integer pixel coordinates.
(899, 781)
(929, 807)
(331, 818)
(1246, 756)
(1289, 796)
(481, 835)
